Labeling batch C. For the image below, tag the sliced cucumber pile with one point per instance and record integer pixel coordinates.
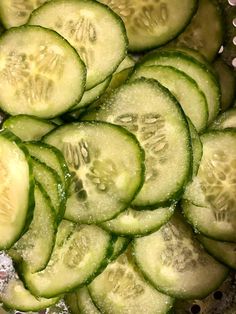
(118, 171)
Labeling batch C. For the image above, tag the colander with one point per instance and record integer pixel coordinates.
(223, 300)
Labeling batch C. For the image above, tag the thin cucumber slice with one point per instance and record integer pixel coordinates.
(196, 147)
(36, 245)
(227, 80)
(176, 264)
(122, 289)
(104, 180)
(210, 222)
(57, 121)
(2, 29)
(226, 120)
(52, 157)
(189, 51)
(127, 63)
(52, 184)
(183, 87)
(15, 13)
(79, 253)
(154, 23)
(28, 128)
(161, 129)
(119, 247)
(204, 78)
(138, 222)
(71, 302)
(93, 94)
(16, 189)
(225, 252)
(40, 73)
(15, 296)
(86, 24)
(198, 35)
(210, 202)
(82, 302)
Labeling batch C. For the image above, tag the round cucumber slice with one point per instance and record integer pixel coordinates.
(40, 73)
(199, 72)
(104, 180)
(183, 87)
(224, 252)
(119, 247)
(15, 13)
(138, 222)
(227, 80)
(226, 120)
(175, 262)
(86, 24)
(210, 202)
(153, 23)
(196, 147)
(53, 158)
(15, 296)
(35, 246)
(198, 34)
(122, 289)
(153, 115)
(81, 302)
(16, 190)
(28, 128)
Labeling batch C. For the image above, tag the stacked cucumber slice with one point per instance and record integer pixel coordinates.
(118, 173)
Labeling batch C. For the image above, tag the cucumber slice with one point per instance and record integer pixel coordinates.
(40, 73)
(80, 251)
(183, 87)
(57, 121)
(226, 120)
(16, 189)
(154, 23)
(122, 289)
(162, 130)
(227, 80)
(52, 184)
(196, 147)
(36, 245)
(137, 223)
(224, 252)
(189, 51)
(82, 303)
(85, 25)
(28, 128)
(176, 264)
(16, 297)
(52, 157)
(193, 68)
(104, 181)
(198, 35)
(71, 302)
(15, 13)
(127, 63)
(213, 189)
(92, 94)
(119, 247)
